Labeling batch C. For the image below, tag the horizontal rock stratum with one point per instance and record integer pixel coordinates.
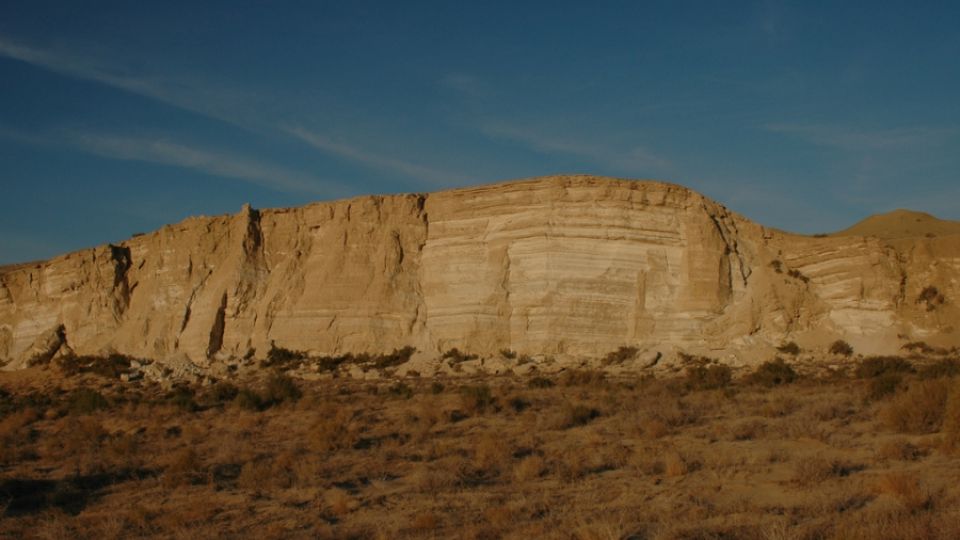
(565, 266)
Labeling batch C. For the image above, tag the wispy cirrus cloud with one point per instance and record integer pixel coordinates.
(216, 102)
(166, 151)
(217, 163)
(374, 160)
(847, 138)
(634, 159)
(203, 98)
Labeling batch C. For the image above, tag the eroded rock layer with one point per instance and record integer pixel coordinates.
(571, 265)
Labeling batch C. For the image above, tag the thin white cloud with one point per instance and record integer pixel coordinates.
(204, 98)
(847, 138)
(634, 160)
(222, 164)
(219, 103)
(165, 151)
(467, 86)
(413, 170)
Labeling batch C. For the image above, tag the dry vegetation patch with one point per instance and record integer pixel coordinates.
(707, 454)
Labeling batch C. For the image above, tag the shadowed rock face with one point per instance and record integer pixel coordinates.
(571, 265)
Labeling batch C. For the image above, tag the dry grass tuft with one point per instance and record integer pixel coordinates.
(906, 489)
(920, 409)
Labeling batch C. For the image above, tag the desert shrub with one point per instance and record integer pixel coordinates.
(395, 358)
(280, 388)
(899, 450)
(518, 403)
(331, 363)
(333, 430)
(920, 347)
(841, 347)
(620, 355)
(814, 470)
(777, 266)
(790, 348)
(401, 390)
(223, 392)
(675, 465)
(577, 414)
(582, 377)
(256, 475)
(184, 468)
(708, 377)
(947, 367)
(182, 398)
(477, 398)
(540, 382)
(508, 354)
(876, 366)
(281, 358)
(249, 400)
(883, 385)
(931, 296)
(920, 409)
(796, 274)
(454, 356)
(905, 489)
(110, 366)
(773, 373)
(86, 400)
(530, 468)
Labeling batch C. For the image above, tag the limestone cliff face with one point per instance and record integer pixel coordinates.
(570, 265)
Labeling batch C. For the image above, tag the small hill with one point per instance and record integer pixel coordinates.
(902, 224)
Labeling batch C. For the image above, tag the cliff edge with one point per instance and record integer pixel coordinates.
(567, 266)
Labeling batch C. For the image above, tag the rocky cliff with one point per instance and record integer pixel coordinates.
(564, 266)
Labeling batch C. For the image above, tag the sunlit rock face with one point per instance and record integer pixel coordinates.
(566, 266)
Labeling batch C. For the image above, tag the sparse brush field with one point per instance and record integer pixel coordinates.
(767, 454)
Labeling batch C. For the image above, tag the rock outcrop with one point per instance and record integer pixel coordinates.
(570, 266)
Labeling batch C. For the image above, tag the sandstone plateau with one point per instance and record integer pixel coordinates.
(564, 267)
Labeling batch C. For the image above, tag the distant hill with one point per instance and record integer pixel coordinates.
(902, 224)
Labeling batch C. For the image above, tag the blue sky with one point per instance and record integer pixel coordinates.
(119, 117)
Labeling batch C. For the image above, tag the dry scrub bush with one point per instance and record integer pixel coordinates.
(583, 377)
(876, 366)
(339, 502)
(746, 430)
(675, 465)
(654, 428)
(620, 356)
(333, 430)
(477, 399)
(841, 347)
(710, 377)
(424, 522)
(882, 386)
(814, 470)
(574, 415)
(80, 445)
(491, 454)
(13, 433)
(920, 409)
(906, 489)
(500, 516)
(772, 373)
(184, 468)
(529, 468)
(440, 475)
(899, 450)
